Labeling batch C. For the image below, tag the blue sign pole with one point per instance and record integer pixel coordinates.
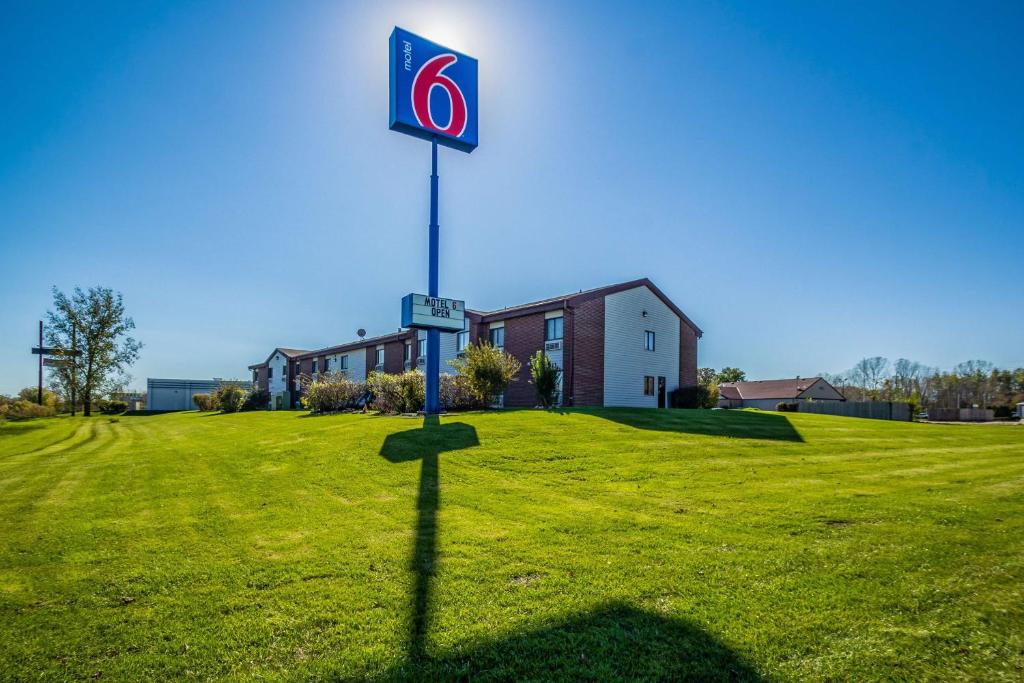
(433, 379)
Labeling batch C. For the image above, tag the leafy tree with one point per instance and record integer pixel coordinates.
(707, 376)
(31, 394)
(488, 369)
(731, 375)
(545, 376)
(94, 323)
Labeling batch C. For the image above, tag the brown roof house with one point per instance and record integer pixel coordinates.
(766, 394)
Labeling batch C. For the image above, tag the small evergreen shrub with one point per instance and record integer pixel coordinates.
(787, 407)
(257, 399)
(544, 377)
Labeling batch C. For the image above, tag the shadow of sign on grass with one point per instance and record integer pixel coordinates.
(738, 424)
(426, 444)
(614, 642)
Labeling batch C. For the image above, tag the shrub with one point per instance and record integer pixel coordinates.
(229, 398)
(697, 396)
(393, 394)
(204, 402)
(114, 407)
(545, 375)
(457, 394)
(24, 410)
(488, 369)
(330, 393)
(787, 407)
(31, 394)
(257, 399)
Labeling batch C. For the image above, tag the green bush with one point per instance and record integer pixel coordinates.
(697, 396)
(488, 369)
(203, 402)
(114, 407)
(457, 394)
(393, 394)
(229, 398)
(25, 410)
(257, 399)
(545, 375)
(331, 393)
(787, 407)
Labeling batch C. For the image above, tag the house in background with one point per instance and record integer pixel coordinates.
(767, 394)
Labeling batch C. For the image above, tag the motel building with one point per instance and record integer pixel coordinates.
(622, 345)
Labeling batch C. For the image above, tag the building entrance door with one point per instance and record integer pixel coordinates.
(661, 392)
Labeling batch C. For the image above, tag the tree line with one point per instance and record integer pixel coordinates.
(971, 383)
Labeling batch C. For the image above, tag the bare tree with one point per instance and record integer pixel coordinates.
(871, 372)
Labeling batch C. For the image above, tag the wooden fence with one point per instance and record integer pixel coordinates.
(960, 414)
(876, 410)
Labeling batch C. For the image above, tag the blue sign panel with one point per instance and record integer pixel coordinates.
(433, 91)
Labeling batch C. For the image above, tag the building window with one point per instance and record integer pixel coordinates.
(461, 341)
(421, 348)
(380, 358)
(552, 329)
(648, 386)
(255, 376)
(648, 341)
(298, 368)
(270, 373)
(498, 337)
(313, 371)
(408, 352)
(343, 363)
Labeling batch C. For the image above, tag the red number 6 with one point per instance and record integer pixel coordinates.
(430, 76)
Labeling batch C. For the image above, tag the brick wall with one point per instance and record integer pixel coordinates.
(586, 353)
(394, 356)
(262, 381)
(687, 355)
(524, 336)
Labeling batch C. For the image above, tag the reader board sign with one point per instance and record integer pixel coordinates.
(433, 313)
(433, 91)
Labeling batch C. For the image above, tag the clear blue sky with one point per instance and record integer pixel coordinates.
(810, 184)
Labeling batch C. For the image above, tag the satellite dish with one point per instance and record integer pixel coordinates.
(361, 332)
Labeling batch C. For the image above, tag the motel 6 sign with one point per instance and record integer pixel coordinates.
(432, 312)
(433, 91)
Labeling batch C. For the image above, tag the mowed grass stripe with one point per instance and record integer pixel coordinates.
(610, 544)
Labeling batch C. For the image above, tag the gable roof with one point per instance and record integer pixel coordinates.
(286, 352)
(557, 302)
(769, 388)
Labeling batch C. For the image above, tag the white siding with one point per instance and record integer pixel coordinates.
(626, 362)
(820, 391)
(448, 346)
(356, 364)
(276, 384)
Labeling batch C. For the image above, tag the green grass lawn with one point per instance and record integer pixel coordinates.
(511, 545)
